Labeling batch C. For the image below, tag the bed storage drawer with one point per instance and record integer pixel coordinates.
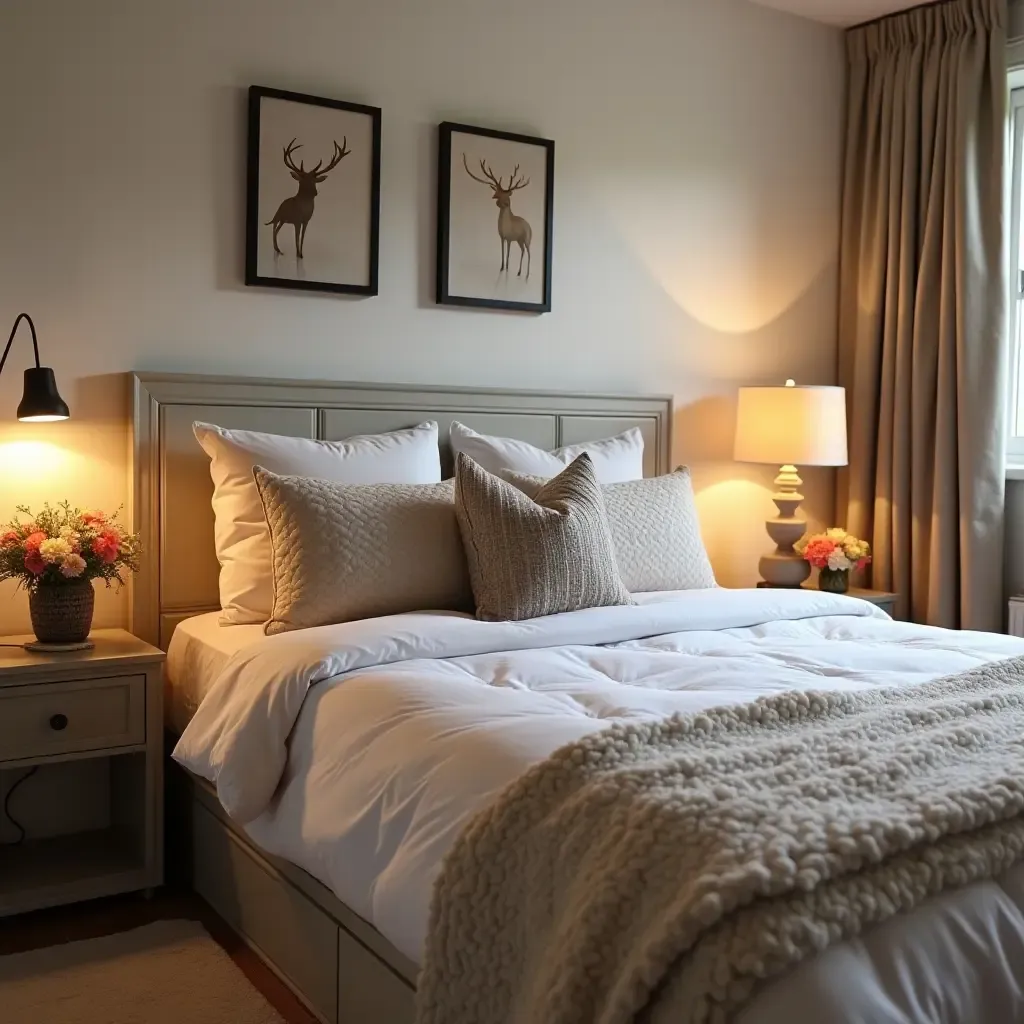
(288, 930)
(368, 990)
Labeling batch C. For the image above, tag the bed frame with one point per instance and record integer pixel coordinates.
(337, 963)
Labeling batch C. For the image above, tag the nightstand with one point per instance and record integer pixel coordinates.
(89, 727)
(884, 600)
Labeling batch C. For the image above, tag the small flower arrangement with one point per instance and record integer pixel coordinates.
(61, 545)
(836, 550)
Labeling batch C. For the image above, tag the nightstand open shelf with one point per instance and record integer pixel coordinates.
(63, 869)
(90, 730)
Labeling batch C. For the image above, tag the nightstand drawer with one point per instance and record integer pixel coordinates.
(62, 718)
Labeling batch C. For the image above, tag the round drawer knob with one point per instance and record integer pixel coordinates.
(58, 722)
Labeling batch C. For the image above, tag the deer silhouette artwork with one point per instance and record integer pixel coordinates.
(297, 209)
(510, 227)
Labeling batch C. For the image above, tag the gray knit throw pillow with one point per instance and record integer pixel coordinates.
(530, 557)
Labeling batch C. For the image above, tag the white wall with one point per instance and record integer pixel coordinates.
(696, 213)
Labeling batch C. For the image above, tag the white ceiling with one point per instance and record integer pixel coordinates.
(840, 12)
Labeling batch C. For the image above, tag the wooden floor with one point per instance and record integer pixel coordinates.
(122, 913)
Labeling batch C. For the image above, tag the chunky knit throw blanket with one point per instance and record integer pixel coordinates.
(668, 868)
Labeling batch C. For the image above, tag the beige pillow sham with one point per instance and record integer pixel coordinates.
(343, 552)
(536, 556)
(655, 530)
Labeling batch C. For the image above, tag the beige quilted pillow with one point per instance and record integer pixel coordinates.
(354, 551)
(541, 555)
(655, 530)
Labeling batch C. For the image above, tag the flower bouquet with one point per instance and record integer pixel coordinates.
(835, 552)
(56, 554)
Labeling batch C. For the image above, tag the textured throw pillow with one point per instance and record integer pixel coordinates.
(240, 529)
(344, 552)
(655, 530)
(615, 458)
(536, 556)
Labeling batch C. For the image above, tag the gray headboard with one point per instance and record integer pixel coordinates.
(171, 479)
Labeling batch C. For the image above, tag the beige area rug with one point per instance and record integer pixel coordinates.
(170, 972)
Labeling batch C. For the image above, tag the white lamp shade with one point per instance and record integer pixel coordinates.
(799, 426)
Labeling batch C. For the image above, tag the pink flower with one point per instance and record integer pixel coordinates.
(33, 540)
(34, 562)
(72, 566)
(106, 546)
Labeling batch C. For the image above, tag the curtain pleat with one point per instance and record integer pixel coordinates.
(922, 312)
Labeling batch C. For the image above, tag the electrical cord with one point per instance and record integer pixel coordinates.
(7, 802)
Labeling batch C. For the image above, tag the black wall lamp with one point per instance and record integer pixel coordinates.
(41, 402)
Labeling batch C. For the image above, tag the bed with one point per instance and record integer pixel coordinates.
(341, 966)
(326, 860)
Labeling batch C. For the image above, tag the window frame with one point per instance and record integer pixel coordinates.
(1015, 264)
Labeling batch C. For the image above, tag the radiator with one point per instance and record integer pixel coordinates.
(1016, 616)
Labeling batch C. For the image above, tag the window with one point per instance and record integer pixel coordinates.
(1015, 448)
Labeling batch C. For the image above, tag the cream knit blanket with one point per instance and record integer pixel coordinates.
(670, 867)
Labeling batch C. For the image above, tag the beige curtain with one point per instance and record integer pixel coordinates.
(922, 331)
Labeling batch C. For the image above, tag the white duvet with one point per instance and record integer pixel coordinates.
(358, 751)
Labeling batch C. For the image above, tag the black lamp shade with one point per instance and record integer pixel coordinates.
(41, 402)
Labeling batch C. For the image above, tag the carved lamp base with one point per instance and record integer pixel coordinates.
(784, 567)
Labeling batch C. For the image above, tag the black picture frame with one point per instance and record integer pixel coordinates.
(444, 172)
(253, 226)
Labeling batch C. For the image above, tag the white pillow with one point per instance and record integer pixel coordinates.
(241, 536)
(614, 459)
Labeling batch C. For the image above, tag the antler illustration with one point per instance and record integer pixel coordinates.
(289, 162)
(339, 153)
(491, 181)
(513, 184)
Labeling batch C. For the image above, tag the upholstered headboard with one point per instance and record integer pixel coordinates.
(171, 478)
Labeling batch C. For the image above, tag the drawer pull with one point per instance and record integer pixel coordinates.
(58, 722)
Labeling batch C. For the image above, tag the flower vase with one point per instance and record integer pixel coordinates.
(834, 581)
(62, 612)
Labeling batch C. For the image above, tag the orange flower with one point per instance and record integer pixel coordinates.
(9, 539)
(33, 540)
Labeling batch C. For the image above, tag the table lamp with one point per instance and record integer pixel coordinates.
(789, 426)
(40, 401)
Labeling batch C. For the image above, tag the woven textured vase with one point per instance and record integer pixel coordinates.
(834, 581)
(62, 613)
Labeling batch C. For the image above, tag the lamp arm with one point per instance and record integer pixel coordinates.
(14, 331)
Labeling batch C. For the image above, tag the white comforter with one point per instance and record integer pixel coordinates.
(415, 721)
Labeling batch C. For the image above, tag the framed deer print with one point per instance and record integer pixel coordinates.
(494, 218)
(313, 197)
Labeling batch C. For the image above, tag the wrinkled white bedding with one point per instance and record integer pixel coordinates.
(358, 751)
